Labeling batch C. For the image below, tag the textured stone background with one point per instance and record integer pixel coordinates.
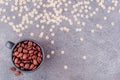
(100, 48)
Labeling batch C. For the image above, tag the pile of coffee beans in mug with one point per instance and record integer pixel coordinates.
(27, 55)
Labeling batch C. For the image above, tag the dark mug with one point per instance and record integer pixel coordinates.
(12, 46)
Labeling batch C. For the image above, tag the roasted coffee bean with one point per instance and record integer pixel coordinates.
(16, 53)
(25, 42)
(35, 62)
(34, 44)
(20, 49)
(27, 66)
(20, 55)
(24, 56)
(31, 66)
(18, 45)
(35, 52)
(16, 60)
(39, 59)
(38, 48)
(26, 61)
(25, 51)
(22, 45)
(39, 54)
(13, 69)
(17, 65)
(21, 64)
(31, 51)
(34, 67)
(15, 49)
(30, 43)
(17, 73)
(34, 57)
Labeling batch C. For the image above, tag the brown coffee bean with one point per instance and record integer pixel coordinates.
(25, 51)
(18, 45)
(27, 66)
(34, 44)
(17, 73)
(29, 57)
(38, 48)
(26, 61)
(39, 59)
(31, 51)
(31, 66)
(24, 56)
(15, 53)
(31, 54)
(25, 42)
(15, 49)
(34, 57)
(17, 65)
(13, 69)
(16, 60)
(35, 52)
(34, 67)
(20, 49)
(20, 55)
(29, 48)
(35, 62)
(39, 54)
(30, 43)
(23, 45)
(21, 64)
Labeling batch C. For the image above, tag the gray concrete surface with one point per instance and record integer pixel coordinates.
(101, 48)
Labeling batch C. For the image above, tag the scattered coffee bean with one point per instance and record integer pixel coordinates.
(17, 73)
(13, 69)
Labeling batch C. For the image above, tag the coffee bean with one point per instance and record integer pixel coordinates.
(30, 43)
(21, 64)
(25, 51)
(22, 45)
(34, 67)
(15, 53)
(15, 49)
(35, 52)
(20, 55)
(26, 61)
(35, 62)
(16, 60)
(20, 49)
(31, 66)
(34, 57)
(25, 42)
(17, 65)
(13, 69)
(24, 56)
(38, 48)
(17, 73)
(39, 54)
(39, 59)
(27, 66)
(31, 51)
(18, 45)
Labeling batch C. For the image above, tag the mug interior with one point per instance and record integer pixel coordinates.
(42, 52)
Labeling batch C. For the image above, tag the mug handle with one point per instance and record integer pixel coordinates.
(9, 44)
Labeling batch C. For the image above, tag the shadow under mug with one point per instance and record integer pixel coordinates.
(12, 45)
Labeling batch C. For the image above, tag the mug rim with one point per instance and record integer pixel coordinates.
(42, 52)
